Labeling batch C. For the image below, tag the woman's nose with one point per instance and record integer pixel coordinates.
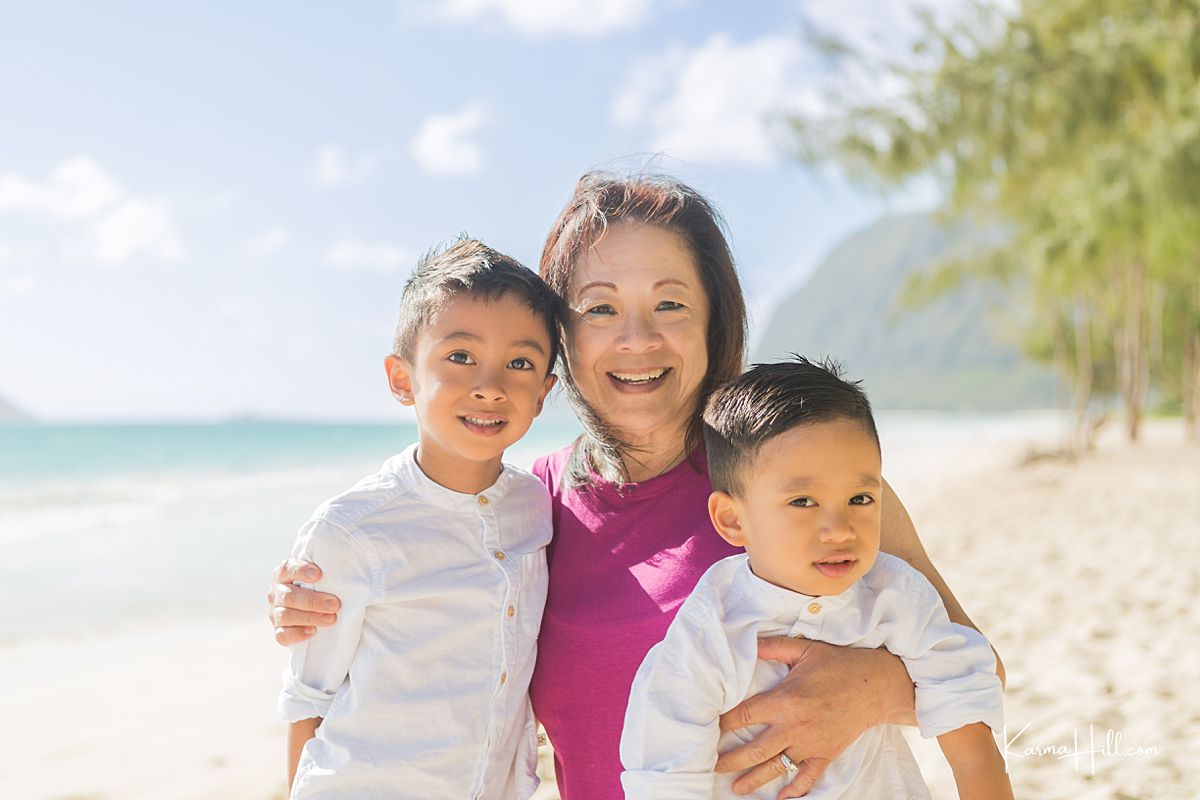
(638, 335)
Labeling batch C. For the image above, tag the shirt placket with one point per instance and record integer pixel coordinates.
(509, 565)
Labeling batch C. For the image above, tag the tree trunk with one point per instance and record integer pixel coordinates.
(1191, 372)
(1083, 374)
(1133, 368)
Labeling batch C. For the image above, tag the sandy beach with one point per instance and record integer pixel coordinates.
(1082, 575)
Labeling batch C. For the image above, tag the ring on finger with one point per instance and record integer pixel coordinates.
(788, 764)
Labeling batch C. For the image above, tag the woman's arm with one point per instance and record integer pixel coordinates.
(899, 537)
(831, 694)
(296, 612)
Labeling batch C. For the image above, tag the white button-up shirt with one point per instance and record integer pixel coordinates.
(708, 663)
(423, 682)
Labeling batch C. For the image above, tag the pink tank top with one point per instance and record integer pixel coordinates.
(621, 563)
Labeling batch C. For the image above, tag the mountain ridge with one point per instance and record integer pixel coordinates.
(958, 352)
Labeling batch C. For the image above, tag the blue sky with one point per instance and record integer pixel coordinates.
(209, 209)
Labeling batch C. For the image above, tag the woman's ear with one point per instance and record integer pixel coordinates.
(723, 510)
(399, 379)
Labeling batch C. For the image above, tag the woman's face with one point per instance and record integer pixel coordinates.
(636, 337)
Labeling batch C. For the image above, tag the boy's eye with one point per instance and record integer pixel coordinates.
(520, 363)
(601, 310)
(803, 502)
(861, 500)
(459, 357)
(669, 305)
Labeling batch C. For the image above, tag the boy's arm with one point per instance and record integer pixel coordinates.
(959, 698)
(899, 537)
(317, 668)
(298, 734)
(669, 743)
(979, 770)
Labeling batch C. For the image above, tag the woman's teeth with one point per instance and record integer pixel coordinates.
(639, 377)
(478, 421)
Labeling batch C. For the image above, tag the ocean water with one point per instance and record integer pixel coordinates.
(107, 526)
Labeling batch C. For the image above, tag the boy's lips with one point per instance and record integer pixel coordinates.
(483, 424)
(836, 565)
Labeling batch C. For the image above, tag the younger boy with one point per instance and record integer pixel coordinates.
(795, 464)
(421, 689)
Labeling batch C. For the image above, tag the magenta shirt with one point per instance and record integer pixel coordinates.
(621, 563)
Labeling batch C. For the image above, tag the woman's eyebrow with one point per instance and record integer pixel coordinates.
(671, 281)
(596, 285)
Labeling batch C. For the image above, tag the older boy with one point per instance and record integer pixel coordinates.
(439, 554)
(795, 463)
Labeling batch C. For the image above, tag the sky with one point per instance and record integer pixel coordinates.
(208, 210)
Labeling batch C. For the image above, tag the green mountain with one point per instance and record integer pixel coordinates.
(956, 353)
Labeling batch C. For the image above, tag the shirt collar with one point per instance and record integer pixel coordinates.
(788, 607)
(404, 465)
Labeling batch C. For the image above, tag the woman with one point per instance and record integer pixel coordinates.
(657, 322)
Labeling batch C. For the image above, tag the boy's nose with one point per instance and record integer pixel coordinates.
(837, 528)
(491, 394)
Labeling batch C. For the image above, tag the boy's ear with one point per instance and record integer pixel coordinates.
(399, 379)
(723, 511)
(551, 379)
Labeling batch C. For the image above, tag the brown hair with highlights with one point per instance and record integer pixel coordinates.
(601, 199)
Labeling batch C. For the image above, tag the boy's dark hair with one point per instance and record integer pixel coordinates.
(768, 400)
(468, 265)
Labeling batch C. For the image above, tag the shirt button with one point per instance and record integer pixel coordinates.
(483, 501)
(511, 611)
(814, 608)
(498, 555)
(503, 677)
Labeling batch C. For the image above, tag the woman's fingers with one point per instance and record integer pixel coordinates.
(295, 635)
(287, 595)
(765, 772)
(808, 773)
(290, 618)
(757, 752)
(293, 570)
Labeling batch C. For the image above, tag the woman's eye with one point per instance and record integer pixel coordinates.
(459, 357)
(669, 305)
(520, 363)
(803, 502)
(861, 500)
(602, 310)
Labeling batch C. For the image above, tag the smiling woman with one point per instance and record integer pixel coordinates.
(656, 323)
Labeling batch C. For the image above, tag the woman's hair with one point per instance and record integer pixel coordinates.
(601, 199)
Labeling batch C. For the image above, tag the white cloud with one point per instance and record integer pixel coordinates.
(266, 243)
(77, 188)
(335, 166)
(539, 18)
(720, 101)
(17, 285)
(112, 225)
(134, 228)
(443, 143)
(352, 254)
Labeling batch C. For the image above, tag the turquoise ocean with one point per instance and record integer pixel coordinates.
(112, 526)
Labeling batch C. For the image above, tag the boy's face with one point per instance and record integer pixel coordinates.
(478, 377)
(809, 511)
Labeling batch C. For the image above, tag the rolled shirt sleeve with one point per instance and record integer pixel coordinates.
(318, 667)
(672, 729)
(952, 665)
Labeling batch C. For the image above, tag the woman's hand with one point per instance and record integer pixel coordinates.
(830, 696)
(296, 613)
